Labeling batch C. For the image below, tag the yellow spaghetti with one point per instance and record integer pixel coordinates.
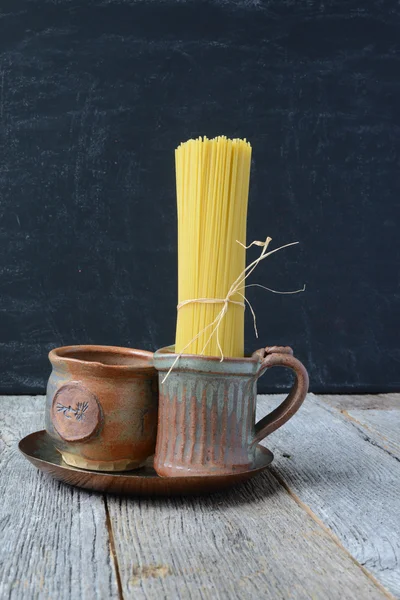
(212, 179)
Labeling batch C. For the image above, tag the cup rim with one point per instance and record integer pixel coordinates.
(169, 351)
(62, 355)
(165, 357)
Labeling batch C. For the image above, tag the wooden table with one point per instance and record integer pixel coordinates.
(323, 522)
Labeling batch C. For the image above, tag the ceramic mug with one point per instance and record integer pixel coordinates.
(102, 406)
(206, 422)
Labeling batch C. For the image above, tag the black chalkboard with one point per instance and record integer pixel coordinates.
(95, 96)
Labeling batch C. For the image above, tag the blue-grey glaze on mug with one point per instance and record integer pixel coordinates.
(206, 422)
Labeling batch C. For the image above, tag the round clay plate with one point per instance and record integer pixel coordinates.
(38, 448)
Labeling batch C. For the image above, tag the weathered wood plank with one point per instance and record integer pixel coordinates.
(54, 539)
(352, 485)
(378, 415)
(363, 401)
(383, 427)
(253, 542)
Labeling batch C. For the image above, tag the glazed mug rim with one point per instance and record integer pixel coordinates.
(165, 357)
(70, 355)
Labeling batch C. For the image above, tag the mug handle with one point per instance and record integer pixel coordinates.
(281, 356)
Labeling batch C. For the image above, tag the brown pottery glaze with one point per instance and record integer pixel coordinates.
(39, 449)
(206, 421)
(102, 406)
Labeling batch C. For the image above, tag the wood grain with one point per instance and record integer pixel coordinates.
(382, 427)
(54, 539)
(258, 541)
(363, 401)
(378, 416)
(254, 542)
(346, 479)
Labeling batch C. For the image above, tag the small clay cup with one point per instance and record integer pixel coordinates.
(207, 408)
(102, 406)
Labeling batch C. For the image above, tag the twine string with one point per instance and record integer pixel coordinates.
(236, 289)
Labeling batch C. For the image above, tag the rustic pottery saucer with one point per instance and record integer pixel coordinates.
(39, 449)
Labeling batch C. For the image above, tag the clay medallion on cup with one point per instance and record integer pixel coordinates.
(76, 412)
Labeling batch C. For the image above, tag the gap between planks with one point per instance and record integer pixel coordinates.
(377, 418)
(327, 456)
(382, 442)
(302, 505)
(329, 532)
(282, 483)
(113, 553)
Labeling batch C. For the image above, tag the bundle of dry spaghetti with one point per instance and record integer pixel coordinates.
(212, 178)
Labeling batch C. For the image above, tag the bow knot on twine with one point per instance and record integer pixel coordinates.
(237, 288)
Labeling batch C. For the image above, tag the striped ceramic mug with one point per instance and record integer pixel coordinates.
(206, 419)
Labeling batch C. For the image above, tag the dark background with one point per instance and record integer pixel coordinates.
(95, 96)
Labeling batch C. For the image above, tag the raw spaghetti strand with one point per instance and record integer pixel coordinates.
(212, 179)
